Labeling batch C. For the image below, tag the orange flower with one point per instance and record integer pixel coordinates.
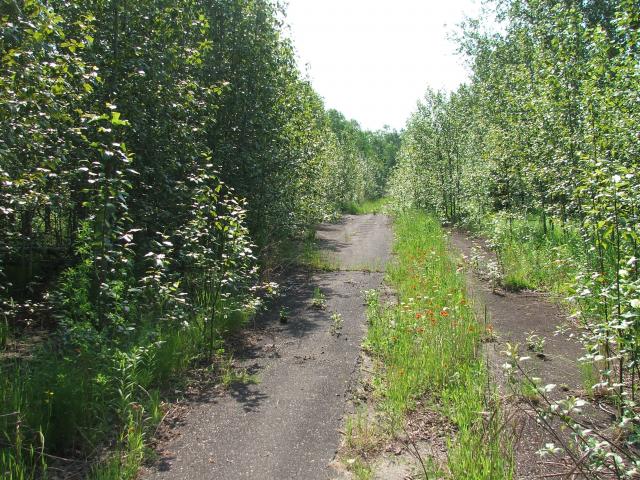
(418, 315)
(444, 313)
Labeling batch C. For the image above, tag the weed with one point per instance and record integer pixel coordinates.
(336, 324)
(371, 298)
(535, 343)
(494, 274)
(283, 315)
(230, 374)
(319, 302)
(529, 389)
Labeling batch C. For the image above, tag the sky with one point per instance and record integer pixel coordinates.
(374, 59)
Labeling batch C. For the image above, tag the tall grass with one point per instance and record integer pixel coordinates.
(366, 207)
(534, 256)
(428, 347)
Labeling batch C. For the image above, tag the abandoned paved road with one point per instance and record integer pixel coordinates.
(286, 425)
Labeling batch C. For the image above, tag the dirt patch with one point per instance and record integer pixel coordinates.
(286, 425)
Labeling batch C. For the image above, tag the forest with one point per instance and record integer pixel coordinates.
(161, 161)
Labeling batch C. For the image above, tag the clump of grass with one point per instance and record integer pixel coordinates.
(367, 207)
(362, 435)
(429, 346)
(590, 376)
(230, 374)
(363, 438)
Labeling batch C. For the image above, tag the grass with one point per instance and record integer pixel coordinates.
(4, 334)
(532, 258)
(428, 347)
(75, 402)
(362, 437)
(304, 251)
(367, 207)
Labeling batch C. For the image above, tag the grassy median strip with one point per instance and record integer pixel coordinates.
(427, 349)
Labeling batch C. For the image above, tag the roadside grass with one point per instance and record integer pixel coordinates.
(532, 257)
(367, 207)
(83, 403)
(428, 347)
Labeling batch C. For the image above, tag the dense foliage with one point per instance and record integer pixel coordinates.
(548, 130)
(151, 153)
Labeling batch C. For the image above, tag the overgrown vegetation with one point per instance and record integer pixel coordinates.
(427, 348)
(152, 155)
(540, 152)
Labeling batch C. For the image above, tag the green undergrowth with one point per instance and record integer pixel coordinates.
(427, 348)
(367, 207)
(533, 256)
(107, 397)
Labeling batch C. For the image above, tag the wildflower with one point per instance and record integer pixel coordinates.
(444, 313)
(418, 315)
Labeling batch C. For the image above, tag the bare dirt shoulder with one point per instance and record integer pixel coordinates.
(286, 425)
